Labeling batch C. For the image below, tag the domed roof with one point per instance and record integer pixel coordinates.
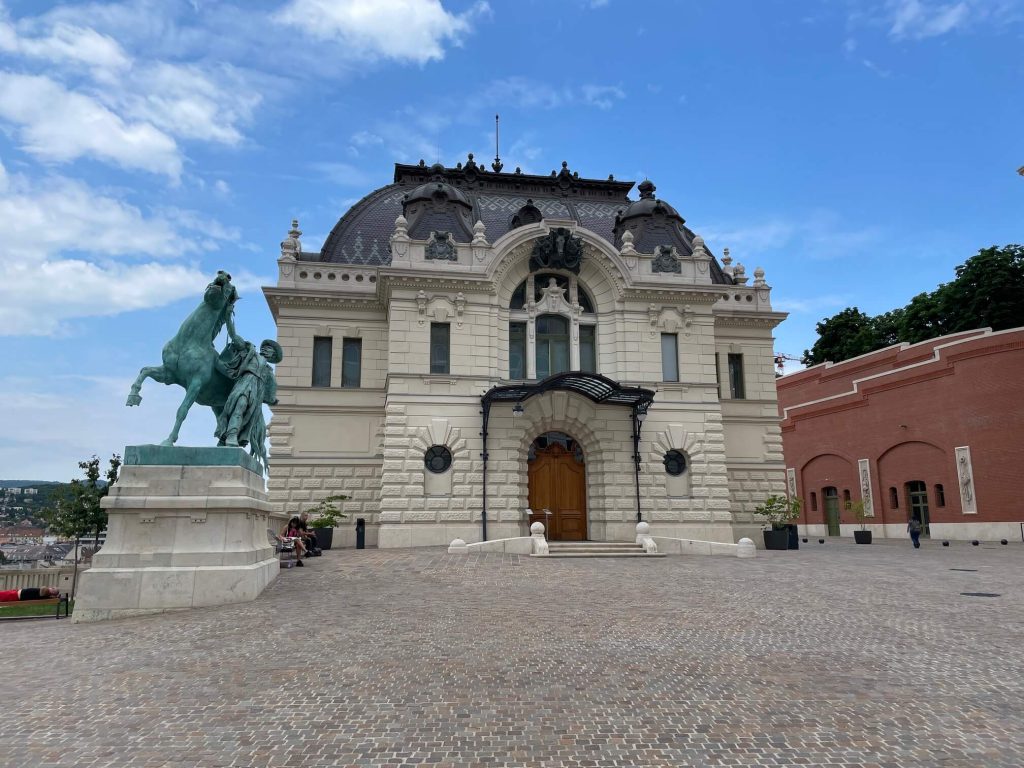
(437, 189)
(648, 205)
(439, 199)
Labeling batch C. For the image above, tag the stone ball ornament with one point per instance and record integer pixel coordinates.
(643, 529)
(537, 529)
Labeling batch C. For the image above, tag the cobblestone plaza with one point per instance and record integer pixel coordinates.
(833, 655)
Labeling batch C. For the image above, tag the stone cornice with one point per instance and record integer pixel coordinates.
(467, 283)
(750, 320)
(292, 298)
(672, 293)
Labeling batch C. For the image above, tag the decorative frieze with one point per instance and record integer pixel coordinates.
(965, 476)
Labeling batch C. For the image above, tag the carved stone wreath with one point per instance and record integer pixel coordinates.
(441, 247)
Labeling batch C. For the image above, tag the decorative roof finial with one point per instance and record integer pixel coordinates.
(291, 247)
(496, 165)
(646, 189)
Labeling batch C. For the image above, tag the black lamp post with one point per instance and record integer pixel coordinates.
(639, 414)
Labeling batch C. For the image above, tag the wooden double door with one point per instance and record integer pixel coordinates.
(558, 482)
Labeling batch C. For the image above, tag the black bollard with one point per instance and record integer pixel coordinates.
(945, 543)
(805, 541)
(974, 543)
(1004, 542)
(821, 541)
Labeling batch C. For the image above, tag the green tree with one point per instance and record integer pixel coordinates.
(988, 292)
(74, 510)
(888, 327)
(922, 318)
(842, 336)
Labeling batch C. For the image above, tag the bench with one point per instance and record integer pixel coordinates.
(56, 601)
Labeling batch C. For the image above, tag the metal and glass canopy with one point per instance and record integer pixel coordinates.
(593, 386)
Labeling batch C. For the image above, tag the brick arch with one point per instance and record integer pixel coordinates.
(822, 471)
(910, 460)
(904, 446)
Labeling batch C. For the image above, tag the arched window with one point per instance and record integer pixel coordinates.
(552, 345)
(894, 498)
(562, 339)
(846, 498)
(540, 282)
(528, 214)
(940, 495)
(814, 501)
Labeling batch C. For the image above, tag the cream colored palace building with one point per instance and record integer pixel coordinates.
(471, 344)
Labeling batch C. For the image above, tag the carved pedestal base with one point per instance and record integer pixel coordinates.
(180, 535)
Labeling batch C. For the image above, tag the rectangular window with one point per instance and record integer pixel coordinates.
(517, 350)
(718, 377)
(669, 357)
(351, 362)
(322, 361)
(440, 348)
(588, 349)
(736, 390)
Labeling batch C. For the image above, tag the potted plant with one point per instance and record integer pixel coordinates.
(863, 536)
(326, 514)
(779, 512)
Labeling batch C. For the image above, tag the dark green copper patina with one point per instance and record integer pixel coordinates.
(234, 383)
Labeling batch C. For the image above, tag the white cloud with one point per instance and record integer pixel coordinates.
(366, 139)
(91, 98)
(187, 102)
(602, 96)
(58, 125)
(525, 93)
(402, 30)
(820, 235)
(36, 298)
(45, 220)
(66, 44)
(64, 419)
(918, 20)
(346, 175)
(46, 216)
(876, 69)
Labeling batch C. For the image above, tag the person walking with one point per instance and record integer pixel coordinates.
(914, 527)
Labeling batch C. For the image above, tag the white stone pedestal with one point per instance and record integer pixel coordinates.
(180, 536)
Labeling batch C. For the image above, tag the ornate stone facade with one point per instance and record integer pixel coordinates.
(540, 283)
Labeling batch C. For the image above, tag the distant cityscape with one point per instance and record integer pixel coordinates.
(24, 542)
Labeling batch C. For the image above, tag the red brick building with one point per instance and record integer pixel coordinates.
(934, 430)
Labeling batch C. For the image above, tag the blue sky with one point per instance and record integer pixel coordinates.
(857, 151)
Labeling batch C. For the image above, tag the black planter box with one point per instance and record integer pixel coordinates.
(324, 537)
(776, 539)
(862, 537)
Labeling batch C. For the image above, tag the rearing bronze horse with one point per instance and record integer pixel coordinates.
(190, 357)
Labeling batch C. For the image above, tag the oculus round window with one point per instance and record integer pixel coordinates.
(438, 459)
(675, 463)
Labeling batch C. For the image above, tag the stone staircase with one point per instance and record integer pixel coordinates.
(596, 549)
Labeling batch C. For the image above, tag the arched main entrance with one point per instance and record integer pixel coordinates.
(558, 483)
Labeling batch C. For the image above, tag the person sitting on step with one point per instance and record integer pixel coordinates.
(293, 532)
